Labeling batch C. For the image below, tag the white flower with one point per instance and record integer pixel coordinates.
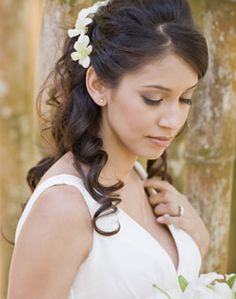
(202, 288)
(202, 292)
(84, 13)
(82, 47)
(167, 294)
(175, 293)
(207, 278)
(92, 9)
(82, 51)
(207, 286)
(80, 27)
(223, 290)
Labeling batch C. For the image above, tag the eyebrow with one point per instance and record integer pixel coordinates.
(166, 88)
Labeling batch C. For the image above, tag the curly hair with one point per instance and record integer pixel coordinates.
(125, 35)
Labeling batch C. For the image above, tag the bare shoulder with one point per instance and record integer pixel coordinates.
(55, 239)
(63, 206)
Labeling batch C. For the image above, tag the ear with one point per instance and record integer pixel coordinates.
(95, 87)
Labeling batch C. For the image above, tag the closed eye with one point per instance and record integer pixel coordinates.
(186, 101)
(151, 102)
(157, 102)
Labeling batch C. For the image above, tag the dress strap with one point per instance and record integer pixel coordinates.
(67, 179)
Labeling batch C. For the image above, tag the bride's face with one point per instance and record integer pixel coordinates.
(151, 102)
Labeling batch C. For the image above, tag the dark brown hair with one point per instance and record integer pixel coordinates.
(124, 35)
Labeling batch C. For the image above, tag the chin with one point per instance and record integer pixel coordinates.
(153, 156)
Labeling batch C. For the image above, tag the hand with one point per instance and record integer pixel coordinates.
(165, 206)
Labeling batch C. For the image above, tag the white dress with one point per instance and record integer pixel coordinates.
(125, 265)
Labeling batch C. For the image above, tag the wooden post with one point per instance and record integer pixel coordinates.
(18, 38)
(211, 143)
(20, 79)
(58, 16)
(232, 243)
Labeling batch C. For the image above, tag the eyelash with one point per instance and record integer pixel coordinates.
(152, 102)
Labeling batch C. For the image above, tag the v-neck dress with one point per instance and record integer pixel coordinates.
(127, 264)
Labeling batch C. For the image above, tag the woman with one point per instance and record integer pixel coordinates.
(93, 228)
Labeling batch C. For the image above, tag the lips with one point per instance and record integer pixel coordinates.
(161, 141)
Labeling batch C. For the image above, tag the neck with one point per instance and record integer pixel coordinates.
(120, 162)
(116, 170)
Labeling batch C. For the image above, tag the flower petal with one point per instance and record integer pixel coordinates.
(223, 290)
(89, 49)
(87, 21)
(80, 27)
(93, 9)
(77, 46)
(83, 13)
(84, 40)
(75, 56)
(73, 32)
(207, 278)
(85, 62)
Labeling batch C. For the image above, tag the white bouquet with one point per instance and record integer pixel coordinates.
(207, 286)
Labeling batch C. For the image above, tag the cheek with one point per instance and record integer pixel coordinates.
(130, 118)
(184, 116)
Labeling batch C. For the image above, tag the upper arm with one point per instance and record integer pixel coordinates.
(55, 239)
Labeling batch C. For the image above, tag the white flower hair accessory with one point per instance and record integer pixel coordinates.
(82, 47)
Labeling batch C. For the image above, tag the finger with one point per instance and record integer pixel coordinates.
(158, 184)
(167, 219)
(151, 191)
(168, 208)
(157, 199)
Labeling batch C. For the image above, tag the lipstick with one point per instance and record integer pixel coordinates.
(161, 141)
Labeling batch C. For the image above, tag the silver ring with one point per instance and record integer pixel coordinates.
(181, 211)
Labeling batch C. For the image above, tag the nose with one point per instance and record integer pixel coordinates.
(171, 119)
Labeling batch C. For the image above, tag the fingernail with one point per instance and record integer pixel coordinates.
(162, 218)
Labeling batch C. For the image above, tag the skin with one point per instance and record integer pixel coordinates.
(128, 121)
(57, 236)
